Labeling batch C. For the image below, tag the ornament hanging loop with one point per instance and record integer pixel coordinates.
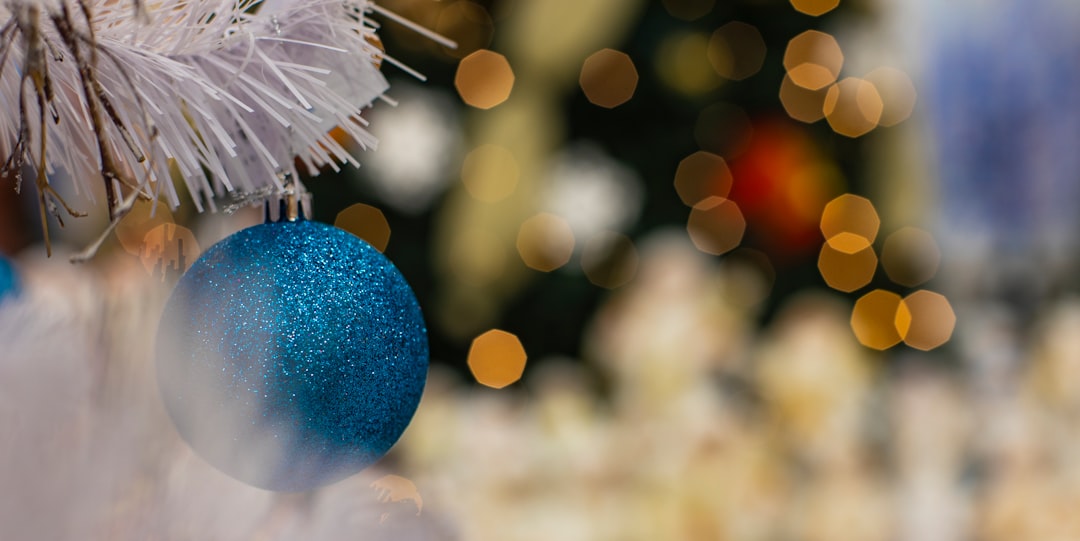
(292, 203)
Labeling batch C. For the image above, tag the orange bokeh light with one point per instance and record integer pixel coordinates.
(484, 79)
(497, 359)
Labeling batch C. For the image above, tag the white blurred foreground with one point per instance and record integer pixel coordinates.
(683, 421)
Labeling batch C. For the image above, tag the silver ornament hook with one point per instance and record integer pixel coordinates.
(293, 202)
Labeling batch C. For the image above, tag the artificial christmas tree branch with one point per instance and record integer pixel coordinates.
(224, 92)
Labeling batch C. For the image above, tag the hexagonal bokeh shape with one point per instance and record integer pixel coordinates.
(847, 272)
(468, 24)
(852, 214)
(813, 59)
(848, 243)
(814, 7)
(702, 175)
(366, 222)
(873, 319)
(853, 107)
(497, 358)
(609, 259)
(545, 242)
(925, 320)
(910, 256)
(800, 103)
(736, 50)
(168, 250)
(682, 63)
(133, 227)
(716, 225)
(608, 78)
(897, 93)
(484, 79)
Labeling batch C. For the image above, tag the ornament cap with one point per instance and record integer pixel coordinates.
(291, 204)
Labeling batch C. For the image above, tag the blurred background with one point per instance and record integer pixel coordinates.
(746, 270)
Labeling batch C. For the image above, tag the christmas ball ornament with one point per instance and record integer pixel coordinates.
(292, 354)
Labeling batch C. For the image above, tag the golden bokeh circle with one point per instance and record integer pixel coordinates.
(133, 227)
(702, 175)
(367, 222)
(813, 59)
(168, 250)
(800, 103)
(897, 93)
(497, 358)
(852, 214)
(873, 319)
(545, 242)
(814, 7)
(736, 50)
(484, 79)
(853, 107)
(716, 225)
(608, 78)
(682, 63)
(468, 24)
(929, 320)
(844, 271)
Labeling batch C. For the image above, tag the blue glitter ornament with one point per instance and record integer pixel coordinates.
(9, 281)
(291, 355)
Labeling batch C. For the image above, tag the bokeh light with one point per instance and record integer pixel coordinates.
(367, 222)
(736, 50)
(782, 183)
(609, 259)
(800, 103)
(847, 268)
(682, 62)
(813, 59)
(592, 190)
(688, 10)
(132, 229)
(753, 272)
(545, 242)
(395, 488)
(700, 176)
(848, 243)
(925, 320)
(484, 79)
(468, 24)
(490, 173)
(873, 319)
(497, 359)
(897, 93)
(608, 78)
(851, 214)
(168, 250)
(910, 256)
(716, 225)
(419, 148)
(815, 7)
(853, 107)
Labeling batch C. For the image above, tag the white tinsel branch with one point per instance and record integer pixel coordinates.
(223, 92)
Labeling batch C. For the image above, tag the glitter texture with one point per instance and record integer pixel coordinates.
(292, 355)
